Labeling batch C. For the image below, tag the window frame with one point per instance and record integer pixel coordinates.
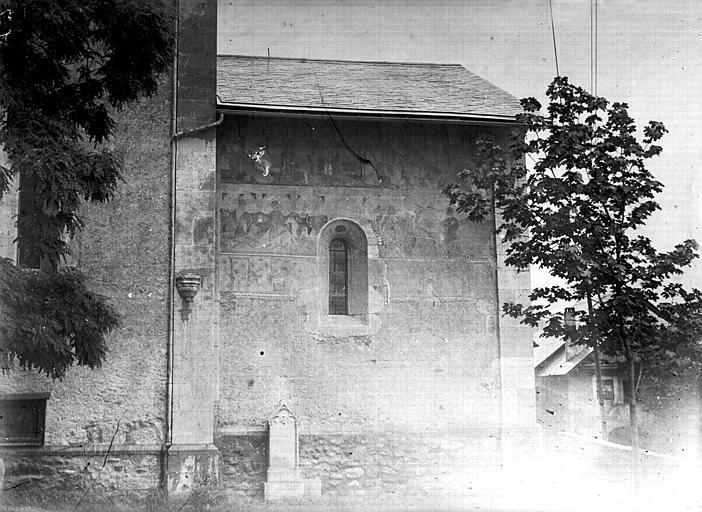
(608, 394)
(26, 212)
(36, 401)
(334, 275)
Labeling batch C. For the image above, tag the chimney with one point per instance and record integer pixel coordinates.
(571, 350)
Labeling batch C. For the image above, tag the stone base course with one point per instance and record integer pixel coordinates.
(368, 464)
(61, 475)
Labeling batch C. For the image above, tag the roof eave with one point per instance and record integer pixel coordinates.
(387, 115)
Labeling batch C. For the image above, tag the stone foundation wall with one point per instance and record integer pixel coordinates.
(59, 475)
(380, 465)
(243, 464)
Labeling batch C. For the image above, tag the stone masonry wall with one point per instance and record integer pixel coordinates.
(429, 356)
(124, 251)
(63, 475)
(412, 466)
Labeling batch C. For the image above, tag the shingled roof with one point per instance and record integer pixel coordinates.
(360, 88)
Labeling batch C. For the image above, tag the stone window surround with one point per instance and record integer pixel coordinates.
(357, 320)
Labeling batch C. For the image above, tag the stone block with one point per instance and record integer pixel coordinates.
(190, 466)
(284, 490)
(283, 477)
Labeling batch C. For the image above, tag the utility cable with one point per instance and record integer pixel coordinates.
(595, 77)
(553, 33)
(592, 46)
(358, 157)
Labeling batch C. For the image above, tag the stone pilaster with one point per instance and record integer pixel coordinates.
(192, 456)
(518, 406)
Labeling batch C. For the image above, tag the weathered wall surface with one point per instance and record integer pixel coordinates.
(124, 252)
(429, 357)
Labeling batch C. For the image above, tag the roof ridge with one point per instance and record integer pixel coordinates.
(344, 61)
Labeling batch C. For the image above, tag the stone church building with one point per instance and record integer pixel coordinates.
(281, 243)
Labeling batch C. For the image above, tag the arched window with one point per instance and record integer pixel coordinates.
(338, 278)
(343, 273)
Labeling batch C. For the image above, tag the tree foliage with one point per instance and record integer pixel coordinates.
(65, 67)
(52, 320)
(577, 213)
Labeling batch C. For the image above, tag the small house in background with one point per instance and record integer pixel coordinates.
(566, 389)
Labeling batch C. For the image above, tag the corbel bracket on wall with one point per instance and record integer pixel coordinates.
(187, 285)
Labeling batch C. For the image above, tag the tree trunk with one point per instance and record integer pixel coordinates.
(600, 395)
(598, 377)
(633, 422)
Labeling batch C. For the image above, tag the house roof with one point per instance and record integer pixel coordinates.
(545, 348)
(360, 88)
(550, 357)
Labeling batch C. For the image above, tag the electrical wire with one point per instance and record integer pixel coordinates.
(595, 77)
(592, 53)
(553, 33)
(358, 157)
(593, 47)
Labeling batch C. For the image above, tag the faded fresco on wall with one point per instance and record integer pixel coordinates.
(408, 225)
(264, 275)
(328, 152)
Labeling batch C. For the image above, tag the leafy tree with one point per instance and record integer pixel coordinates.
(577, 213)
(51, 320)
(65, 67)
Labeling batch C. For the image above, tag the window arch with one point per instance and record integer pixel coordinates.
(343, 272)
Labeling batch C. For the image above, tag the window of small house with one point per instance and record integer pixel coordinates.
(626, 386)
(607, 389)
(22, 419)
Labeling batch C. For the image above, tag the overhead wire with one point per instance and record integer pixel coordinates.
(593, 47)
(352, 151)
(595, 79)
(553, 33)
(592, 53)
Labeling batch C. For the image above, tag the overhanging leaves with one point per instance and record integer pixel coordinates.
(51, 321)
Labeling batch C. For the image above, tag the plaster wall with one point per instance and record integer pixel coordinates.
(428, 357)
(123, 251)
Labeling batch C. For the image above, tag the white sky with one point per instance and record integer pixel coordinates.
(650, 53)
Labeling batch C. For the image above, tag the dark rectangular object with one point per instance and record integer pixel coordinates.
(22, 418)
